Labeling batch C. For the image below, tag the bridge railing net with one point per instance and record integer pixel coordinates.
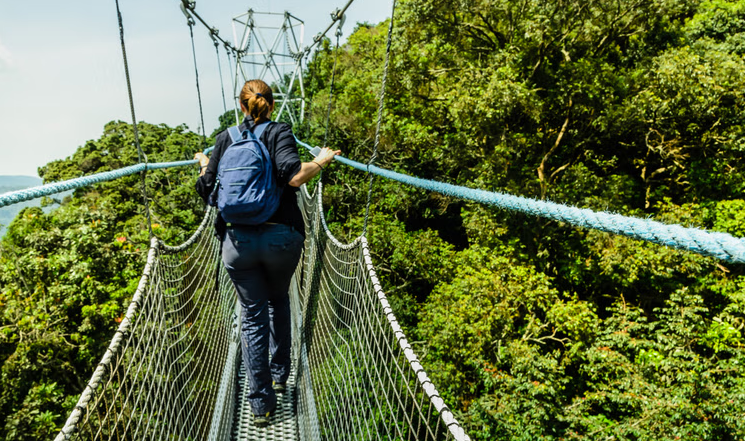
(169, 372)
(358, 376)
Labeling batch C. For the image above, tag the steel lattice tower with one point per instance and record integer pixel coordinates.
(271, 49)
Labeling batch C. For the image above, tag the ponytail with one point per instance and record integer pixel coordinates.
(256, 97)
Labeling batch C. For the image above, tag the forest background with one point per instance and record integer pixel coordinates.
(531, 329)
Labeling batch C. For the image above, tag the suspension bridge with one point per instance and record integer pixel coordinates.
(172, 369)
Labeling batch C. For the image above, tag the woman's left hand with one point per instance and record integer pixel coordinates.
(202, 158)
(203, 162)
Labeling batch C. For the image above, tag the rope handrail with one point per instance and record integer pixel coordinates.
(359, 377)
(14, 197)
(453, 426)
(168, 372)
(722, 246)
(98, 377)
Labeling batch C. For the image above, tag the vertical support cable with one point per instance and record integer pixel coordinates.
(331, 92)
(140, 154)
(374, 154)
(236, 105)
(312, 80)
(219, 68)
(190, 22)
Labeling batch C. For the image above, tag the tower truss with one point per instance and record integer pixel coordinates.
(270, 47)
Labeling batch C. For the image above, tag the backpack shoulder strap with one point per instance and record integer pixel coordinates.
(234, 133)
(259, 129)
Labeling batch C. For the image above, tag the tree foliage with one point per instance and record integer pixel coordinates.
(67, 275)
(530, 328)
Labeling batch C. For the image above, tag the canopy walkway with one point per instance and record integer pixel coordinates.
(172, 370)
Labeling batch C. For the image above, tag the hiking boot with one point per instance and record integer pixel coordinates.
(280, 388)
(262, 420)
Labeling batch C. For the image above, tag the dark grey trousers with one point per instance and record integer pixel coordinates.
(260, 261)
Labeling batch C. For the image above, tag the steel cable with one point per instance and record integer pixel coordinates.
(190, 22)
(381, 105)
(219, 70)
(331, 89)
(140, 154)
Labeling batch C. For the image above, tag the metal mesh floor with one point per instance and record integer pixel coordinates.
(283, 425)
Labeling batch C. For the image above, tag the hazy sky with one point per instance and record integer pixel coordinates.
(62, 75)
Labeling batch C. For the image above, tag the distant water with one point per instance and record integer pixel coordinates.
(15, 183)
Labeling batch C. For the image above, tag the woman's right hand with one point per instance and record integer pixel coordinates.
(312, 168)
(326, 156)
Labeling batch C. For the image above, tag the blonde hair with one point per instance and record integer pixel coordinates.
(256, 97)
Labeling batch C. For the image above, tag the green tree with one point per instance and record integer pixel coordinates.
(533, 329)
(67, 275)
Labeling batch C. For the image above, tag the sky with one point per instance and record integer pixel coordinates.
(62, 75)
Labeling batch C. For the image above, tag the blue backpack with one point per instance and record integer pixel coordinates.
(248, 193)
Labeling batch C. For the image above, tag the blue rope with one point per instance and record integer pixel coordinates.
(720, 245)
(27, 194)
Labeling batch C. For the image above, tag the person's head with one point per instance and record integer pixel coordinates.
(257, 100)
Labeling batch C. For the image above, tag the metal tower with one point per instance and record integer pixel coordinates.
(271, 49)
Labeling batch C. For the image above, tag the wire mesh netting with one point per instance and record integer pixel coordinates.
(358, 378)
(169, 372)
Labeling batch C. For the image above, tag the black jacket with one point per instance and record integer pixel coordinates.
(280, 142)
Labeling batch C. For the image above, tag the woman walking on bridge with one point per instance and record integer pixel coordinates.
(261, 254)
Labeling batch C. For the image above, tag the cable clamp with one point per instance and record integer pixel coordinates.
(214, 36)
(342, 19)
(188, 16)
